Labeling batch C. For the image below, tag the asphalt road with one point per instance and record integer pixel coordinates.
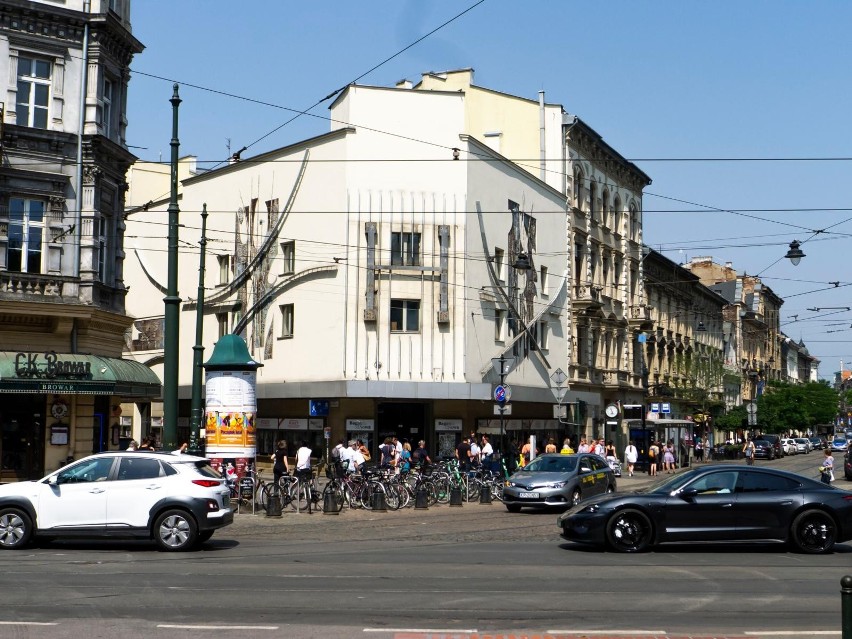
(469, 571)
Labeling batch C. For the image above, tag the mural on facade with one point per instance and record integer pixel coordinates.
(521, 239)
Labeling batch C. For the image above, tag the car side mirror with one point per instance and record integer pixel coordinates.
(688, 494)
(585, 469)
(53, 480)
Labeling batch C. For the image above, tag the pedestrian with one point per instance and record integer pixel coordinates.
(584, 447)
(404, 460)
(463, 454)
(699, 450)
(487, 451)
(336, 462)
(599, 448)
(610, 449)
(357, 461)
(653, 456)
(134, 445)
(631, 455)
(280, 467)
(365, 452)
(421, 455)
(748, 451)
(669, 458)
(346, 454)
(145, 445)
(566, 447)
(475, 453)
(303, 458)
(387, 452)
(826, 470)
(551, 446)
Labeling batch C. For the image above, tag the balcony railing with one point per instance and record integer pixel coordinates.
(29, 285)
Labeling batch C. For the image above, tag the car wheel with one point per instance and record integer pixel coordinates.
(576, 497)
(513, 508)
(175, 530)
(15, 528)
(814, 532)
(629, 531)
(610, 489)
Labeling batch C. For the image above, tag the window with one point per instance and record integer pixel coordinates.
(605, 270)
(99, 233)
(222, 322)
(541, 336)
(499, 325)
(617, 217)
(583, 345)
(287, 321)
(616, 276)
(224, 268)
(759, 483)
(593, 263)
(33, 92)
(578, 263)
(288, 255)
(138, 468)
(405, 316)
(107, 112)
(500, 264)
(593, 194)
(405, 249)
(26, 231)
(544, 282)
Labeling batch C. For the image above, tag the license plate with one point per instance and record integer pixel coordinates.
(523, 495)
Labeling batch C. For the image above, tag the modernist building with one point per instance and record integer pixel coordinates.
(62, 186)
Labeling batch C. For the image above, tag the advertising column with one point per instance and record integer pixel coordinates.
(231, 407)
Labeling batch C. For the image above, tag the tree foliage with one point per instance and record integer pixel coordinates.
(786, 407)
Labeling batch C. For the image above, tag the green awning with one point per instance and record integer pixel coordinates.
(75, 374)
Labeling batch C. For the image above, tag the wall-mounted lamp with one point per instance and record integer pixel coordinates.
(522, 262)
(795, 254)
(701, 328)
(456, 153)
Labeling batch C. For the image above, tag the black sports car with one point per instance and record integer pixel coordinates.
(716, 503)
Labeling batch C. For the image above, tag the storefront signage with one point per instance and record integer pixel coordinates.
(446, 425)
(28, 365)
(360, 425)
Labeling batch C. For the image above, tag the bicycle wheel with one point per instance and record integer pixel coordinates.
(365, 496)
(299, 495)
(442, 490)
(270, 494)
(392, 496)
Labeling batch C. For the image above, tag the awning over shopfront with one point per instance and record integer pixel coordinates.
(75, 374)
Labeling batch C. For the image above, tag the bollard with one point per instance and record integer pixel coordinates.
(485, 495)
(455, 496)
(273, 508)
(846, 606)
(379, 503)
(421, 499)
(329, 504)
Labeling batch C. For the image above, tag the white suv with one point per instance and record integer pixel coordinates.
(176, 500)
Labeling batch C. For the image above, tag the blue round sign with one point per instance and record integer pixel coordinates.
(502, 393)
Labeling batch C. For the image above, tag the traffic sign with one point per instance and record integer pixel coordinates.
(751, 407)
(502, 393)
(665, 407)
(558, 392)
(559, 377)
(502, 410)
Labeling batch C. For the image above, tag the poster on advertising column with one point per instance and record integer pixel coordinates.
(230, 413)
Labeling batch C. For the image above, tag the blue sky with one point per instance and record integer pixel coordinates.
(669, 84)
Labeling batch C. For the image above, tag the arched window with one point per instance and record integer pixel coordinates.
(578, 188)
(616, 223)
(593, 194)
(606, 208)
(635, 222)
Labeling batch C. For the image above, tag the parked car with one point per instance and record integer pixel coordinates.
(556, 480)
(817, 443)
(839, 444)
(763, 449)
(847, 465)
(720, 502)
(790, 446)
(776, 443)
(802, 445)
(176, 500)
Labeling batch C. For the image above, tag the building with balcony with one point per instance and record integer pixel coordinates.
(62, 190)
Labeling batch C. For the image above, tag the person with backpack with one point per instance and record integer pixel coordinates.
(336, 461)
(388, 454)
(653, 454)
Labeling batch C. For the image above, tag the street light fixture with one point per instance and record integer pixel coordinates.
(795, 254)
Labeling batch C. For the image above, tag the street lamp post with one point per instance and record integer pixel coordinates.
(502, 364)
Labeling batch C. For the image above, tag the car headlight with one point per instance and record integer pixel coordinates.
(591, 508)
(558, 484)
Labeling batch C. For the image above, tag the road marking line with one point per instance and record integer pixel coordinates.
(28, 623)
(208, 627)
(425, 630)
(606, 632)
(790, 633)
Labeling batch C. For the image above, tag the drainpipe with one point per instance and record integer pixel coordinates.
(78, 218)
(541, 137)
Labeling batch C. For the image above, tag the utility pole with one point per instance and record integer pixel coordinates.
(197, 410)
(172, 321)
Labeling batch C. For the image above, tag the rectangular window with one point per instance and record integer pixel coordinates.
(405, 316)
(100, 236)
(544, 282)
(224, 268)
(288, 256)
(26, 234)
(287, 321)
(593, 263)
(107, 112)
(579, 274)
(542, 335)
(222, 322)
(33, 92)
(583, 345)
(405, 249)
(499, 325)
(500, 264)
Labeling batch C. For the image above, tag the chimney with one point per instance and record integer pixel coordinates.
(404, 84)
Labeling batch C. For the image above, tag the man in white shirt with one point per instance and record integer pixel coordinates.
(487, 449)
(475, 453)
(303, 457)
(346, 454)
(357, 459)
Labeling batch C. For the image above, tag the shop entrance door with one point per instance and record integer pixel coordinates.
(22, 438)
(406, 421)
